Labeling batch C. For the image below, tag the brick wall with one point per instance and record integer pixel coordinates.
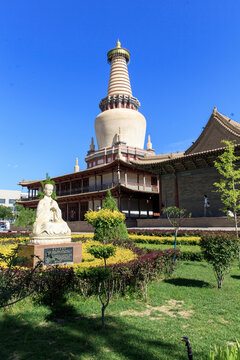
(168, 190)
(192, 186)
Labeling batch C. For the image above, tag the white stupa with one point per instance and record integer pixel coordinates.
(120, 108)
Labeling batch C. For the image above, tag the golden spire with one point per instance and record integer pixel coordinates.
(118, 44)
(76, 167)
(149, 144)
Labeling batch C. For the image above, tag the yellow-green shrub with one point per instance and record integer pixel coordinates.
(107, 224)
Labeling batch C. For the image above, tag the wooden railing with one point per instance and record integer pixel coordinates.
(92, 188)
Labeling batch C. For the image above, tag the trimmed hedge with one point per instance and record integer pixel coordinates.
(132, 275)
(181, 233)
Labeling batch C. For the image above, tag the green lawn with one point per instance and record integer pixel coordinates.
(188, 304)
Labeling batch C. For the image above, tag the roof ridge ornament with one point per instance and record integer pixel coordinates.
(214, 110)
(76, 167)
(149, 144)
(92, 146)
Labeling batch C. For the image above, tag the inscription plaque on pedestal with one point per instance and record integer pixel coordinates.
(58, 255)
(51, 254)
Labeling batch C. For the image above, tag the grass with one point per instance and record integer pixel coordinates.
(188, 304)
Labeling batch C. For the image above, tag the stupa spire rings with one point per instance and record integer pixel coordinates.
(118, 50)
(119, 108)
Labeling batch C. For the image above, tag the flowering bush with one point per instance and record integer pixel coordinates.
(149, 239)
(104, 217)
(153, 239)
(88, 260)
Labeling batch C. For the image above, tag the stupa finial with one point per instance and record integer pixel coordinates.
(92, 146)
(76, 167)
(149, 144)
(118, 44)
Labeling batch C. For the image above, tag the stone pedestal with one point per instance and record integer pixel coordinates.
(50, 239)
(51, 254)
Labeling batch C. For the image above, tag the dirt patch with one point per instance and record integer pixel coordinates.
(93, 316)
(224, 321)
(173, 308)
(112, 324)
(186, 314)
(135, 313)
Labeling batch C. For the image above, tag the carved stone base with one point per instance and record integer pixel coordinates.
(47, 239)
(51, 254)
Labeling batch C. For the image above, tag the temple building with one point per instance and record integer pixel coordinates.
(184, 178)
(120, 131)
(141, 181)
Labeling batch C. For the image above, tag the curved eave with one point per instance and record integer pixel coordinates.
(230, 126)
(158, 165)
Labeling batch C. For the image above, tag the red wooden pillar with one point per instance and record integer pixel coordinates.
(67, 211)
(112, 178)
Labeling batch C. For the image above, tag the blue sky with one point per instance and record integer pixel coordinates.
(185, 59)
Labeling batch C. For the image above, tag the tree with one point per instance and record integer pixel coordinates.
(105, 284)
(5, 212)
(176, 217)
(229, 184)
(25, 217)
(110, 202)
(219, 250)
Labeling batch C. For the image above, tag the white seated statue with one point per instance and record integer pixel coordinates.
(49, 227)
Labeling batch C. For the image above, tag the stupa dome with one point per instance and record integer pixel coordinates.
(131, 122)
